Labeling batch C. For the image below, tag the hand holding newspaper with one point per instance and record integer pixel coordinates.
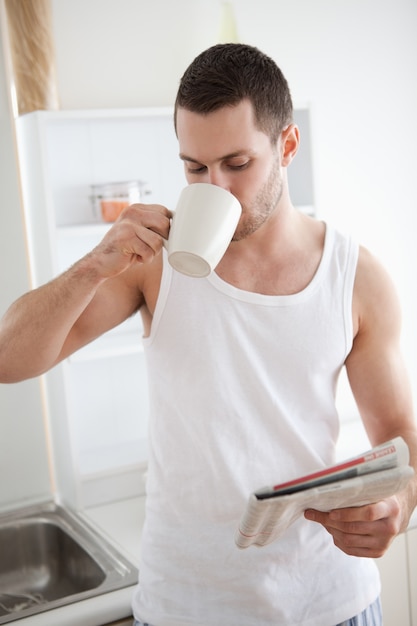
(367, 478)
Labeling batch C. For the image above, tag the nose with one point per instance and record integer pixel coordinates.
(218, 178)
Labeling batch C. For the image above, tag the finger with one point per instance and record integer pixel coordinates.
(368, 513)
(360, 545)
(358, 538)
(137, 244)
(125, 244)
(354, 527)
(155, 217)
(140, 232)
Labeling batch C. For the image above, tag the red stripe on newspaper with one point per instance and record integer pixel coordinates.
(338, 468)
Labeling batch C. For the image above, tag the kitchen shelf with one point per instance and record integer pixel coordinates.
(89, 229)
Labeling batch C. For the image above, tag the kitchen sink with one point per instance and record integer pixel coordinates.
(50, 557)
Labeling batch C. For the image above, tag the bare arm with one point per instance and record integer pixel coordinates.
(380, 384)
(377, 372)
(97, 293)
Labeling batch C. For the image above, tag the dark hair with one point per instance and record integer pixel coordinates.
(226, 74)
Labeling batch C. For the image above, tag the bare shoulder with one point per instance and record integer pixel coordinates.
(375, 300)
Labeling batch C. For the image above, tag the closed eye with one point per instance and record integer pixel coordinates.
(196, 169)
(233, 162)
(240, 166)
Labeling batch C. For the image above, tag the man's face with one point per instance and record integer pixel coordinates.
(225, 148)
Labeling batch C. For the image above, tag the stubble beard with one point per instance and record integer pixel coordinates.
(265, 203)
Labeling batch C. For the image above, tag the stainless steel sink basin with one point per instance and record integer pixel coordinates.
(50, 557)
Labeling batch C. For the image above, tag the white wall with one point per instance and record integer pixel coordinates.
(23, 458)
(353, 61)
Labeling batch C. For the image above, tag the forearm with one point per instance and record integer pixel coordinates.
(34, 329)
(51, 322)
(409, 495)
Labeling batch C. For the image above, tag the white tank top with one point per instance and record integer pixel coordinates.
(242, 395)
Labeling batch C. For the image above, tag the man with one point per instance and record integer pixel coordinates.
(242, 369)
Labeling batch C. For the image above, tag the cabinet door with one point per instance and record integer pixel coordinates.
(394, 578)
(412, 573)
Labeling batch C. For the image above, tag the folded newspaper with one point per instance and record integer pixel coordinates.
(367, 478)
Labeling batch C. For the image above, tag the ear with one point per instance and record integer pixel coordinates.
(290, 140)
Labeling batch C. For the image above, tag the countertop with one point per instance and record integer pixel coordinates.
(121, 522)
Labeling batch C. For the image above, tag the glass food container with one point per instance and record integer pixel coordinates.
(109, 199)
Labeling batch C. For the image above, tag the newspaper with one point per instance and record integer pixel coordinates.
(369, 477)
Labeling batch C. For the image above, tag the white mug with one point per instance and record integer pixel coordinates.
(202, 227)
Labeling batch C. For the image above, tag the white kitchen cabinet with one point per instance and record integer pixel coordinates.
(96, 401)
(394, 579)
(412, 573)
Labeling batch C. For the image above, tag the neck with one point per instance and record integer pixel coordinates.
(280, 258)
